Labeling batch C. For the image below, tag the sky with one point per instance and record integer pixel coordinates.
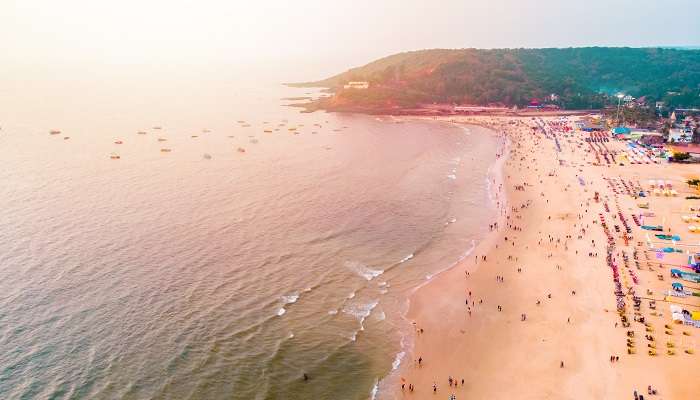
(311, 39)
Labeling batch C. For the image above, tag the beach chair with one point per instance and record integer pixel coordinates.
(670, 352)
(652, 352)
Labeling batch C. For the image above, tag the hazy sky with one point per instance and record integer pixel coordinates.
(306, 39)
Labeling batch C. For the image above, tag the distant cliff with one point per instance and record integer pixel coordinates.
(578, 77)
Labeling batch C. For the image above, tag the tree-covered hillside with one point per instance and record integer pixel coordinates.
(581, 77)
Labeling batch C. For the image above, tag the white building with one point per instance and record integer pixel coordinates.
(356, 85)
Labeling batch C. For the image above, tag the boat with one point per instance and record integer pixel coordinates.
(160, 139)
(164, 150)
(207, 156)
(241, 150)
(246, 125)
(118, 142)
(66, 137)
(158, 127)
(114, 156)
(205, 131)
(268, 131)
(54, 132)
(140, 133)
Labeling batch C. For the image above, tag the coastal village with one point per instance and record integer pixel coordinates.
(588, 283)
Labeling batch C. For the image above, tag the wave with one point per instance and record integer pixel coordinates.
(375, 389)
(363, 270)
(288, 299)
(408, 257)
(397, 360)
(381, 316)
(361, 311)
(462, 257)
(351, 295)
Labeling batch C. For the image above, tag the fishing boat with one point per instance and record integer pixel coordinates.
(118, 142)
(140, 133)
(241, 150)
(54, 132)
(268, 131)
(66, 137)
(165, 150)
(194, 136)
(158, 127)
(160, 139)
(114, 156)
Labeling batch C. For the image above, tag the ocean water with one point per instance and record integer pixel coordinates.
(207, 272)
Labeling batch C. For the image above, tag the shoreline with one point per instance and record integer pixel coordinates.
(555, 304)
(494, 174)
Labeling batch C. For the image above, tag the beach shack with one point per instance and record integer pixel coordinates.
(692, 149)
(621, 132)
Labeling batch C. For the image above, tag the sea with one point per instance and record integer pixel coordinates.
(201, 239)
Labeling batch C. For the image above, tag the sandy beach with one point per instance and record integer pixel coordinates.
(533, 312)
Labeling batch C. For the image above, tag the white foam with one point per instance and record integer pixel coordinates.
(381, 316)
(408, 257)
(332, 312)
(290, 336)
(361, 311)
(363, 270)
(452, 176)
(351, 295)
(290, 299)
(397, 360)
(375, 389)
(281, 312)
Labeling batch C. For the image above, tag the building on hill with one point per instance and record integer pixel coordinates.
(356, 85)
(676, 135)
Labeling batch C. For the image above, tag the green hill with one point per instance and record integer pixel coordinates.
(581, 77)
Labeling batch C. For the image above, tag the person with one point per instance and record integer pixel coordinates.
(420, 360)
(306, 377)
(561, 365)
(434, 387)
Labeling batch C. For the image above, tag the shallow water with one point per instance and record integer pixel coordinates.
(172, 275)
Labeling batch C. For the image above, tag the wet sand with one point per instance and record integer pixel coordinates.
(541, 266)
